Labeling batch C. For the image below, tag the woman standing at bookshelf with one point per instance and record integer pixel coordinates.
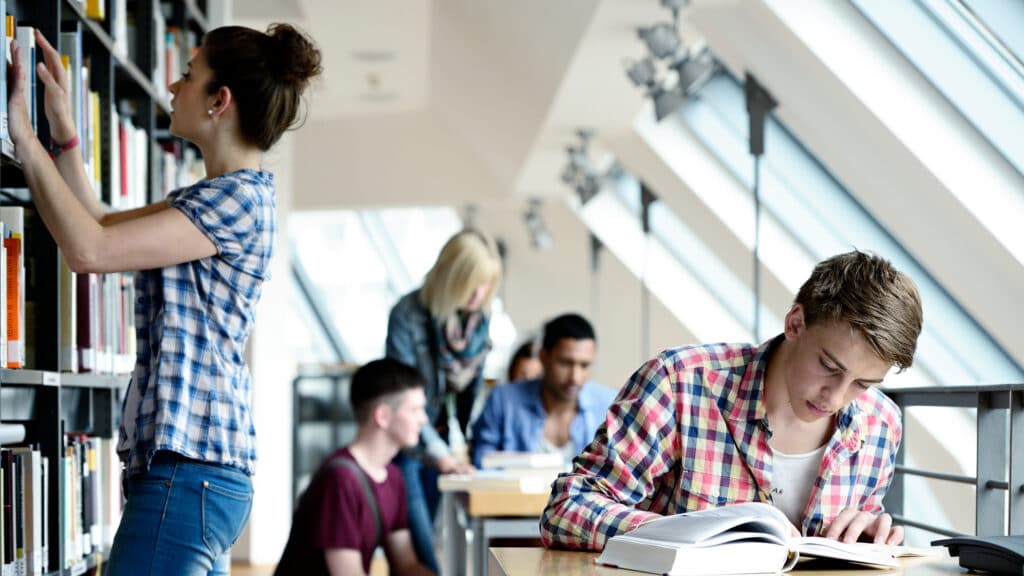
(442, 329)
(201, 257)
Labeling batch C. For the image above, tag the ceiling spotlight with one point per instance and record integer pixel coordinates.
(470, 214)
(674, 5)
(694, 70)
(577, 154)
(642, 72)
(666, 102)
(588, 187)
(661, 39)
(539, 235)
(569, 174)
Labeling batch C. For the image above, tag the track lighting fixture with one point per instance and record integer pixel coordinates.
(667, 57)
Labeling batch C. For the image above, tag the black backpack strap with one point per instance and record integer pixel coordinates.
(371, 500)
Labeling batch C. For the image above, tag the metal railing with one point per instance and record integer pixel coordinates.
(1000, 427)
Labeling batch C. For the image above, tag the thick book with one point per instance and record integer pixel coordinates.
(498, 481)
(504, 459)
(743, 538)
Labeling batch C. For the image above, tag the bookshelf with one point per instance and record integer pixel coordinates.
(67, 393)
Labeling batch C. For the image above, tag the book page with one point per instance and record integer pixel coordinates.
(899, 551)
(701, 526)
(861, 553)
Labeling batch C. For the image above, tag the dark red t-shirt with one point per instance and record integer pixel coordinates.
(333, 513)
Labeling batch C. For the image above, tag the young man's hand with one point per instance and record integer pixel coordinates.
(852, 524)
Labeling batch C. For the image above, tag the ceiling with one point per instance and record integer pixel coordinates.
(499, 87)
(376, 52)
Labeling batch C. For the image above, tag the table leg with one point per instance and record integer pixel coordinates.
(479, 546)
(454, 537)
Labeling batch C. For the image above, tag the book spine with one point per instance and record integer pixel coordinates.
(13, 218)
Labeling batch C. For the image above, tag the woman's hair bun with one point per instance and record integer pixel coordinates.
(292, 56)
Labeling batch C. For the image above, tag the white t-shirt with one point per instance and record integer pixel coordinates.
(568, 450)
(793, 475)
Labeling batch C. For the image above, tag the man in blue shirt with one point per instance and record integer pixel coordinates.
(559, 412)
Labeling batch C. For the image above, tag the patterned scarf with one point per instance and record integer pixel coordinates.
(461, 351)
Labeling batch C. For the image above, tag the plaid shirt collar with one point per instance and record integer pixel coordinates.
(747, 404)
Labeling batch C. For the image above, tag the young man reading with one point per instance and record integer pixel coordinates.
(798, 421)
(558, 412)
(356, 500)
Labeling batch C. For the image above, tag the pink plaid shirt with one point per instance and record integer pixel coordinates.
(689, 431)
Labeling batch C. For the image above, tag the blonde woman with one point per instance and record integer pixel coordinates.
(442, 330)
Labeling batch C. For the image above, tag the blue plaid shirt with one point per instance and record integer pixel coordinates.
(190, 390)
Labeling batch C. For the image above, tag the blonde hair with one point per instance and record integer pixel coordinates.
(468, 259)
(867, 292)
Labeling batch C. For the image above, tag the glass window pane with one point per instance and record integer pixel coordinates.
(986, 87)
(613, 216)
(825, 219)
(309, 345)
(354, 260)
(693, 254)
(1005, 18)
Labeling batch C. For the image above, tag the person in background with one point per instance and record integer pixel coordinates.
(558, 412)
(442, 329)
(525, 363)
(798, 421)
(200, 258)
(356, 501)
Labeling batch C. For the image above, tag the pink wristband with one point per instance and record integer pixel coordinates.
(57, 149)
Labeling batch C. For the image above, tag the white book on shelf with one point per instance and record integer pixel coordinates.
(4, 136)
(25, 37)
(68, 316)
(45, 511)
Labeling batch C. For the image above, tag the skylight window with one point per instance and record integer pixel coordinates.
(824, 219)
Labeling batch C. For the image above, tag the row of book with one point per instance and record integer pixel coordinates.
(171, 60)
(97, 320)
(89, 506)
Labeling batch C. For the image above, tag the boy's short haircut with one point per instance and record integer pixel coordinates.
(572, 326)
(867, 292)
(380, 381)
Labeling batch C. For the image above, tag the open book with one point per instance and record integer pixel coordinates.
(738, 539)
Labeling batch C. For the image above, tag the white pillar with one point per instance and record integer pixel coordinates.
(273, 368)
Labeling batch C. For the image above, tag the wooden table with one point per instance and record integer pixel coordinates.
(535, 561)
(491, 513)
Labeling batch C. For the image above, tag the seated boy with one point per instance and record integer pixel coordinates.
(558, 412)
(798, 421)
(356, 499)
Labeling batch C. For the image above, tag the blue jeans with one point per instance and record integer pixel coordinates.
(418, 483)
(180, 518)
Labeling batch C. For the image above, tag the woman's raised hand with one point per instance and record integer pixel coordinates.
(57, 103)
